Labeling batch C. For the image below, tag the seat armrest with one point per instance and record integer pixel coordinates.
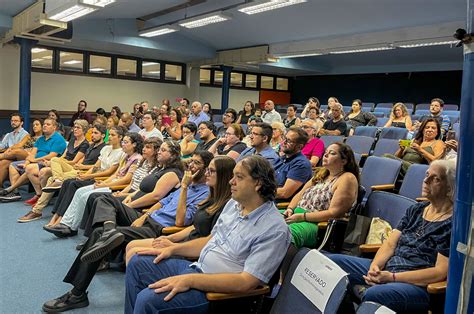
(369, 248)
(437, 287)
(171, 230)
(322, 225)
(383, 187)
(421, 199)
(118, 187)
(283, 205)
(100, 178)
(364, 155)
(216, 296)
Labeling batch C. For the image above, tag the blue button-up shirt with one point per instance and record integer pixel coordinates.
(202, 116)
(296, 167)
(166, 215)
(13, 138)
(268, 153)
(54, 144)
(255, 243)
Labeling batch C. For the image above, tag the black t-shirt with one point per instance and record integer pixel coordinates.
(72, 151)
(149, 182)
(239, 147)
(340, 125)
(92, 154)
(205, 146)
(243, 118)
(203, 221)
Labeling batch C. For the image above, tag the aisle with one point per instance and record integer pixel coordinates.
(34, 262)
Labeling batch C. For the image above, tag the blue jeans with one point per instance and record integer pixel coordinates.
(398, 296)
(141, 271)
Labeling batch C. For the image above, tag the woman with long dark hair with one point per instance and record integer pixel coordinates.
(245, 114)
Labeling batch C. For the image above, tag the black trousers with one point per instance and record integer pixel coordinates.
(66, 194)
(89, 211)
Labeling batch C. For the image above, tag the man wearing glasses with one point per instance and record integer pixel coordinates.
(295, 169)
(149, 130)
(228, 118)
(206, 131)
(260, 137)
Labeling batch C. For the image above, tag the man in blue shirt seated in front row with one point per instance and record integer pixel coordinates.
(295, 169)
(244, 250)
(260, 137)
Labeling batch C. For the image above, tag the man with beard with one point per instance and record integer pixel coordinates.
(122, 224)
(81, 113)
(295, 169)
(260, 137)
(206, 131)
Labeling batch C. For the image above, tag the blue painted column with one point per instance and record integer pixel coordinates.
(225, 87)
(25, 78)
(465, 185)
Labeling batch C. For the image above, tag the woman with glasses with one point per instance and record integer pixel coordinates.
(72, 208)
(278, 136)
(329, 194)
(313, 102)
(231, 144)
(218, 175)
(189, 142)
(314, 148)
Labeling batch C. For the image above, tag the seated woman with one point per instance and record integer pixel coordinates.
(189, 142)
(425, 147)
(415, 254)
(107, 165)
(399, 117)
(20, 150)
(313, 115)
(291, 118)
(54, 114)
(314, 148)
(278, 136)
(245, 114)
(172, 128)
(356, 117)
(329, 194)
(218, 175)
(313, 102)
(112, 121)
(231, 144)
(207, 109)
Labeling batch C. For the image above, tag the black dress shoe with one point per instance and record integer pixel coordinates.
(106, 243)
(60, 230)
(66, 302)
(81, 245)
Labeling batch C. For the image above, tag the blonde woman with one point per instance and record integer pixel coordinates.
(399, 118)
(278, 136)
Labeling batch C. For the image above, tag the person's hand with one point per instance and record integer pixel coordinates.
(288, 212)
(83, 176)
(452, 144)
(127, 200)
(119, 194)
(294, 218)
(99, 184)
(174, 285)
(188, 138)
(162, 242)
(221, 140)
(415, 146)
(137, 223)
(166, 125)
(187, 179)
(382, 276)
(47, 163)
(23, 165)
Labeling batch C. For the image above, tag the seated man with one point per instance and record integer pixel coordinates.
(436, 111)
(295, 169)
(117, 232)
(260, 138)
(50, 145)
(244, 250)
(336, 125)
(126, 120)
(207, 134)
(149, 126)
(229, 117)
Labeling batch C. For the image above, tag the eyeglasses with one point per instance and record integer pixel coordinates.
(210, 171)
(228, 134)
(307, 127)
(202, 129)
(125, 142)
(196, 162)
(77, 127)
(255, 134)
(289, 142)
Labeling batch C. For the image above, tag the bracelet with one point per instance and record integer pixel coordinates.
(292, 209)
(304, 216)
(393, 277)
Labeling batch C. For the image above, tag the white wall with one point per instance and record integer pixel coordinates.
(62, 92)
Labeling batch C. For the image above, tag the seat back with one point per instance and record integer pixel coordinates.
(369, 307)
(331, 139)
(394, 133)
(381, 121)
(423, 112)
(388, 206)
(450, 107)
(370, 131)
(384, 105)
(379, 170)
(217, 118)
(455, 128)
(422, 107)
(379, 114)
(386, 111)
(368, 106)
(360, 144)
(386, 146)
(413, 181)
(291, 300)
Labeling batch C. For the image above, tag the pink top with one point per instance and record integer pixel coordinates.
(315, 147)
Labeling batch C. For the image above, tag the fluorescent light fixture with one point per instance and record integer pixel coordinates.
(204, 20)
(427, 44)
(256, 7)
(99, 3)
(157, 31)
(361, 50)
(96, 70)
(146, 64)
(37, 60)
(71, 13)
(300, 55)
(72, 62)
(37, 50)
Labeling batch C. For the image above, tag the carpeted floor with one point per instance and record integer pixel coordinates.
(33, 263)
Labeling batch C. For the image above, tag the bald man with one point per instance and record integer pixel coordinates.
(270, 115)
(197, 115)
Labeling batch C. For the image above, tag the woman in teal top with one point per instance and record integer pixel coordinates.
(189, 142)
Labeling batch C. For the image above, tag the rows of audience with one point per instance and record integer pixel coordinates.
(124, 177)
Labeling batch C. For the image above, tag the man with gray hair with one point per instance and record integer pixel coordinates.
(197, 115)
(336, 125)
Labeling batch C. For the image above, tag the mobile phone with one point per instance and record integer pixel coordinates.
(451, 135)
(405, 143)
(166, 120)
(178, 99)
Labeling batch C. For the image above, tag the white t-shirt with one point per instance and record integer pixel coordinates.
(153, 133)
(109, 157)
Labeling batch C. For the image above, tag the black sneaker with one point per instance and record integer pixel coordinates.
(81, 245)
(66, 302)
(106, 243)
(3, 192)
(10, 197)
